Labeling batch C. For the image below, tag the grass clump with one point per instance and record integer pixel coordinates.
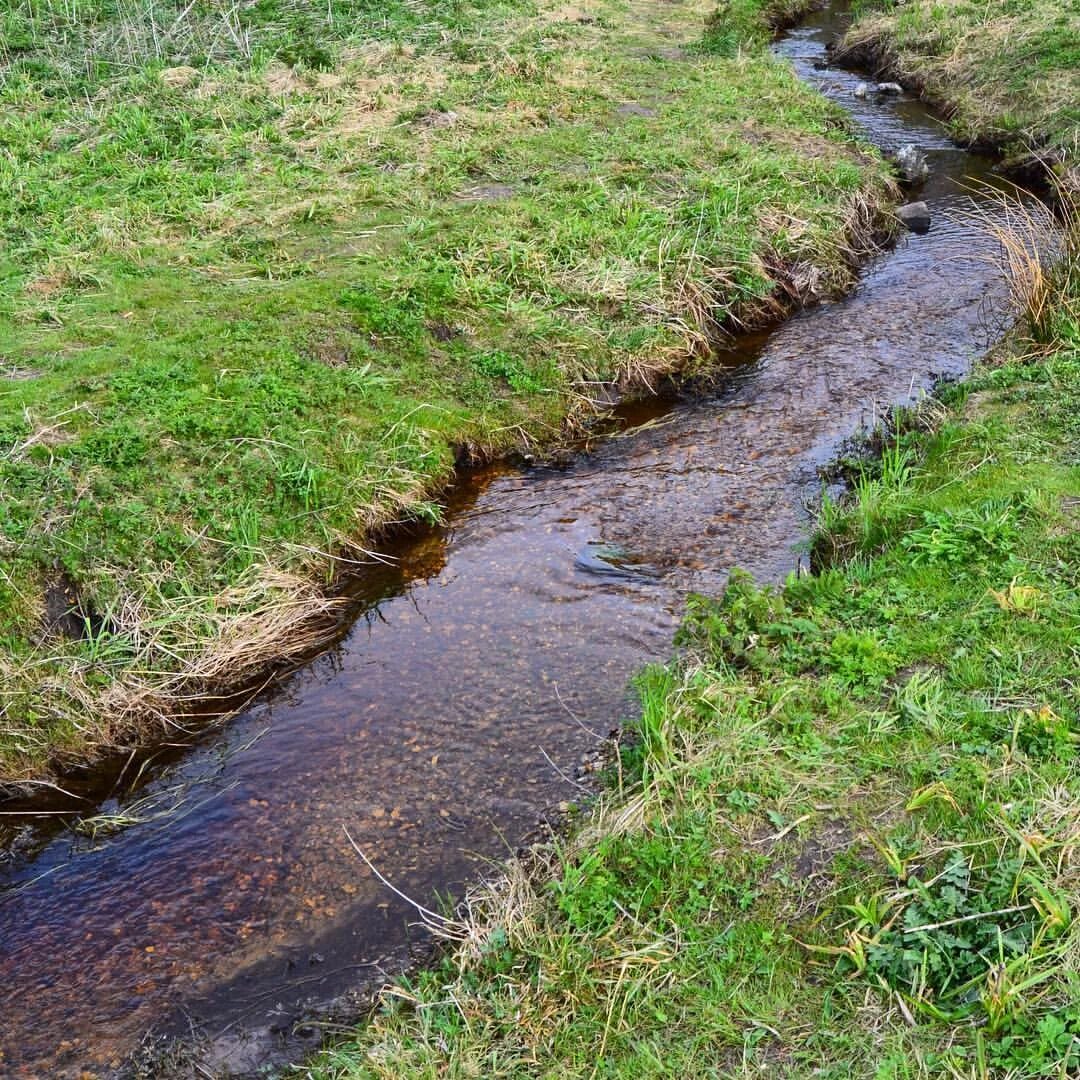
(268, 269)
(847, 839)
(1008, 71)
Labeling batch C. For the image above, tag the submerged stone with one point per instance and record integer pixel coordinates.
(911, 164)
(611, 560)
(916, 216)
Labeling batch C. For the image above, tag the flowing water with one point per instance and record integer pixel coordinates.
(453, 713)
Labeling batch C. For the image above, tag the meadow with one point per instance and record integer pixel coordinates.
(270, 272)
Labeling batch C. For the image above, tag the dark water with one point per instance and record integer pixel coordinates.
(445, 722)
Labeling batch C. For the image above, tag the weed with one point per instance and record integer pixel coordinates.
(955, 537)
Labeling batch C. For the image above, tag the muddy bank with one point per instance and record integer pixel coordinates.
(216, 893)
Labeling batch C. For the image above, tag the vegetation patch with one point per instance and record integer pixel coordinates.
(1008, 71)
(846, 842)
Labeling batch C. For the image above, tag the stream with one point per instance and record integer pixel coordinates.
(218, 897)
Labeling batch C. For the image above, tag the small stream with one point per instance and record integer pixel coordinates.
(452, 715)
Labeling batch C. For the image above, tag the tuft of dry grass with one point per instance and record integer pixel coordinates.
(170, 665)
(1039, 245)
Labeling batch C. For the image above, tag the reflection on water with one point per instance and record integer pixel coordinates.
(450, 719)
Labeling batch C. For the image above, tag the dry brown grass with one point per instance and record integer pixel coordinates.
(215, 647)
(1039, 247)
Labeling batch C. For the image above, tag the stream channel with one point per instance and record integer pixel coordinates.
(448, 718)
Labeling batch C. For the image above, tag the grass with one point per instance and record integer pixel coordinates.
(846, 841)
(1008, 71)
(267, 271)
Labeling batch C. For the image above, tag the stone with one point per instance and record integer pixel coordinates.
(889, 88)
(862, 90)
(916, 216)
(911, 163)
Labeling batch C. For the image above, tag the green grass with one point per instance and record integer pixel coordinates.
(266, 270)
(847, 840)
(1008, 70)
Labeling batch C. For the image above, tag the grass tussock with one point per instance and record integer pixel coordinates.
(151, 666)
(1043, 272)
(269, 269)
(1007, 71)
(845, 842)
(1040, 248)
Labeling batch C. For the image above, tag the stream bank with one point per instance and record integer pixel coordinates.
(966, 62)
(439, 236)
(221, 893)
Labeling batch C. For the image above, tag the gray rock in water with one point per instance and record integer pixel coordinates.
(862, 90)
(609, 560)
(911, 162)
(889, 88)
(916, 216)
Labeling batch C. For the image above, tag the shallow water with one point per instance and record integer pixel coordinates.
(454, 712)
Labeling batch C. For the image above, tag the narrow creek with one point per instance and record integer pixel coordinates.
(452, 715)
